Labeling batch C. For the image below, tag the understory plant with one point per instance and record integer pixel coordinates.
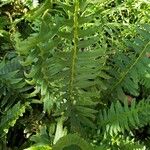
(75, 75)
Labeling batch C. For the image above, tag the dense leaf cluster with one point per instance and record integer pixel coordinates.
(74, 75)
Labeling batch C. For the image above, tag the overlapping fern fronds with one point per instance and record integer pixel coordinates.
(77, 63)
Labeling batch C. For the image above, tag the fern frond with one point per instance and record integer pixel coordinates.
(120, 141)
(63, 64)
(129, 69)
(126, 143)
(11, 82)
(10, 117)
(120, 118)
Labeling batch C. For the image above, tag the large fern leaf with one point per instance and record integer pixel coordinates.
(66, 61)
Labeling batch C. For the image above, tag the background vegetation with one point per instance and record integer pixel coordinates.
(74, 75)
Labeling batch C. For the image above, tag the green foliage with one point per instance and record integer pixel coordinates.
(10, 117)
(72, 139)
(11, 82)
(81, 67)
(127, 69)
(39, 148)
(111, 120)
(65, 77)
(41, 137)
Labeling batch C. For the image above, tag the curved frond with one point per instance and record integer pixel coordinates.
(72, 139)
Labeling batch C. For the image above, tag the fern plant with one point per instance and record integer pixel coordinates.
(72, 70)
(81, 63)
